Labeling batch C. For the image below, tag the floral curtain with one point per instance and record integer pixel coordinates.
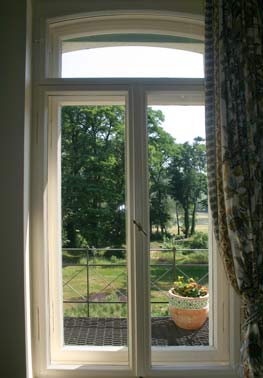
(234, 126)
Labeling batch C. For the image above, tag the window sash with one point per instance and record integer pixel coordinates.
(116, 23)
(140, 348)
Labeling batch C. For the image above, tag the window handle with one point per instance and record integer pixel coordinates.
(139, 226)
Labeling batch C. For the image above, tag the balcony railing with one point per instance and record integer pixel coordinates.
(89, 265)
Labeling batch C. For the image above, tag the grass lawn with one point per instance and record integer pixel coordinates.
(109, 283)
(105, 280)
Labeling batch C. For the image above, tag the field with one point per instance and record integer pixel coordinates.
(104, 280)
(201, 223)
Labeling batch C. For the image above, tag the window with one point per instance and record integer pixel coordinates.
(146, 61)
(99, 144)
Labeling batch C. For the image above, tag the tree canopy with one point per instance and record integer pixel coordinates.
(93, 189)
(93, 175)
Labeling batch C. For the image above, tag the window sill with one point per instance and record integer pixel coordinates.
(96, 371)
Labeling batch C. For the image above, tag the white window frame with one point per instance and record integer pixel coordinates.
(222, 358)
(97, 23)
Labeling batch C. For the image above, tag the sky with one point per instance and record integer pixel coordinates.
(183, 122)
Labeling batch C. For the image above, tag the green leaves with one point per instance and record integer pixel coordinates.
(93, 175)
(188, 184)
(93, 186)
(189, 288)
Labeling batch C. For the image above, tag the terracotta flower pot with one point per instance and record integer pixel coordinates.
(188, 312)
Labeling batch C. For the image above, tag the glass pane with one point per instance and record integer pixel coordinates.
(179, 258)
(131, 61)
(94, 256)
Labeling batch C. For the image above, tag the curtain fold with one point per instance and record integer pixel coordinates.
(234, 132)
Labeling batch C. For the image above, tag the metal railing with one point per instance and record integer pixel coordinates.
(91, 256)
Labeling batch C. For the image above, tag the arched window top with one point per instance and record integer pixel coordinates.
(90, 39)
(132, 61)
(130, 39)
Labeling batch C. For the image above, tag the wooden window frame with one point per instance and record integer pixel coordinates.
(184, 361)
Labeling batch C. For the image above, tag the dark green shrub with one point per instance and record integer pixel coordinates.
(199, 241)
(119, 254)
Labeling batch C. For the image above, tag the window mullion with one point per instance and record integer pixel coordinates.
(139, 223)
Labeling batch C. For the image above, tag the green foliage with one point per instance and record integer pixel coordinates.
(196, 257)
(114, 255)
(71, 257)
(173, 241)
(93, 183)
(93, 178)
(188, 183)
(189, 288)
(158, 310)
(199, 240)
(161, 148)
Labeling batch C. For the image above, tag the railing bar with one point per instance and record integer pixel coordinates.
(102, 302)
(171, 264)
(93, 249)
(185, 274)
(177, 249)
(66, 264)
(179, 265)
(120, 249)
(161, 290)
(75, 291)
(191, 249)
(88, 281)
(161, 276)
(160, 250)
(202, 278)
(74, 249)
(94, 257)
(94, 302)
(192, 264)
(109, 284)
(118, 265)
(72, 277)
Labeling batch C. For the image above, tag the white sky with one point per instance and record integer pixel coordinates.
(183, 122)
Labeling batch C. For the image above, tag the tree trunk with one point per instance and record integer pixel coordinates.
(159, 211)
(186, 220)
(193, 219)
(71, 235)
(177, 218)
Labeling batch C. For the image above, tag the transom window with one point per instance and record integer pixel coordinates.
(132, 61)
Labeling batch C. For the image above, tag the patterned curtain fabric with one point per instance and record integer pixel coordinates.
(234, 126)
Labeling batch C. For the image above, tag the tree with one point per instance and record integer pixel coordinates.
(93, 175)
(188, 180)
(93, 188)
(161, 146)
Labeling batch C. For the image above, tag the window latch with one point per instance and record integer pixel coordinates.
(139, 226)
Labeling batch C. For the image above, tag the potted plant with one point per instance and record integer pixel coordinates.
(188, 303)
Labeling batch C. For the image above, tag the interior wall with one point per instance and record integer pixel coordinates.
(14, 155)
(14, 138)
(51, 8)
